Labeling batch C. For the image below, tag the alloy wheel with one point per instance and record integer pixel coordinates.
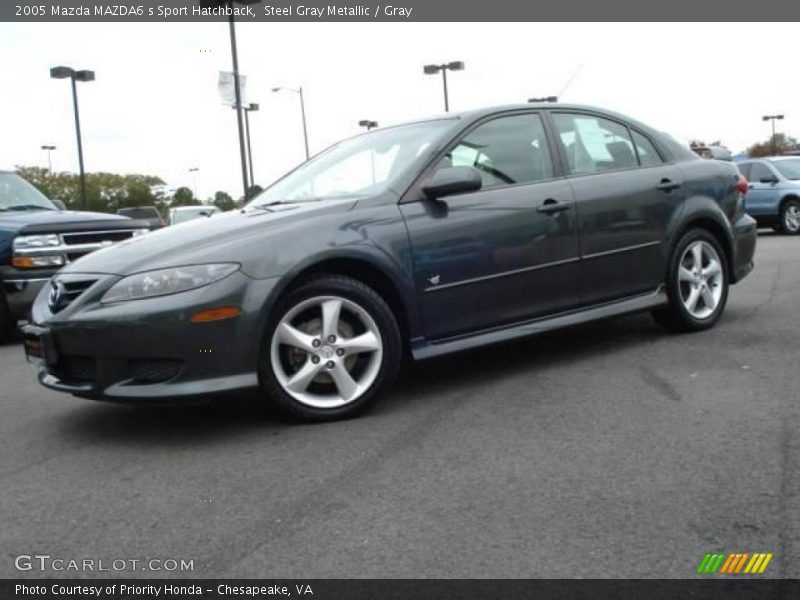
(700, 279)
(326, 352)
(791, 218)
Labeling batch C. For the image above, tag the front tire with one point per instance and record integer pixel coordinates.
(331, 349)
(697, 284)
(790, 217)
(7, 324)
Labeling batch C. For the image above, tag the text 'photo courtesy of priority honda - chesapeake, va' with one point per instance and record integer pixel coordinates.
(354, 301)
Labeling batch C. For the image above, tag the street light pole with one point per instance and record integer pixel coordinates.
(299, 91)
(238, 97)
(773, 118)
(456, 65)
(48, 148)
(194, 170)
(75, 76)
(247, 110)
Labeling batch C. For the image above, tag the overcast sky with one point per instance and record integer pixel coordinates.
(154, 107)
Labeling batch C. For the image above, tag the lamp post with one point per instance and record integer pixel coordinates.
(252, 107)
(773, 118)
(367, 123)
(544, 99)
(299, 92)
(236, 84)
(49, 148)
(75, 76)
(451, 66)
(194, 170)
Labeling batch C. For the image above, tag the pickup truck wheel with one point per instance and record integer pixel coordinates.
(332, 348)
(7, 324)
(790, 217)
(697, 284)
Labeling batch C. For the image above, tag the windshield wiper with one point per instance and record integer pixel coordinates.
(27, 207)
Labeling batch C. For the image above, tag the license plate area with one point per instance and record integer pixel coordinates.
(38, 344)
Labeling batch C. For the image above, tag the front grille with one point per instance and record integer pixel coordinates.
(65, 290)
(75, 368)
(144, 371)
(95, 237)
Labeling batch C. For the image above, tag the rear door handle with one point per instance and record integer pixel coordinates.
(667, 185)
(551, 206)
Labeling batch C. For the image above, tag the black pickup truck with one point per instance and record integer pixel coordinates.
(37, 239)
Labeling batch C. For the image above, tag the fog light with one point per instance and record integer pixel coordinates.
(30, 262)
(216, 314)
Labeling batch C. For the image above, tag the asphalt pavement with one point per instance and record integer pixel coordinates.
(609, 450)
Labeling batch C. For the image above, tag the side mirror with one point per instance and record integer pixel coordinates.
(59, 203)
(452, 180)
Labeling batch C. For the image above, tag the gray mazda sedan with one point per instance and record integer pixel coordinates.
(420, 239)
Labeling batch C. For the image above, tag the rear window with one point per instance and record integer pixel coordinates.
(139, 213)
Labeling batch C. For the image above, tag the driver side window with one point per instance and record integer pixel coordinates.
(505, 151)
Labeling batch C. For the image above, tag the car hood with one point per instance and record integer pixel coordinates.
(239, 236)
(16, 220)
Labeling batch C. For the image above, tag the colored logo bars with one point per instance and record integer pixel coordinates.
(734, 563)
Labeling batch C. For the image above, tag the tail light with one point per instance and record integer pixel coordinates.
(743, 185)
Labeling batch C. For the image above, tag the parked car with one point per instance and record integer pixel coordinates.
(37, 238)
(181, 214)
(144, 213)
(430, 237)
(774, 195)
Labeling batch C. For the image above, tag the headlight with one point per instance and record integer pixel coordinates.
(167, 281)
(138, 232)
(38, 260)
(36, 241)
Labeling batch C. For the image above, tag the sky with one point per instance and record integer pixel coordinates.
(155, 109)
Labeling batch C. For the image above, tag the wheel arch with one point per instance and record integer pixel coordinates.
(707, 216)
(788, 197)
(371, 268)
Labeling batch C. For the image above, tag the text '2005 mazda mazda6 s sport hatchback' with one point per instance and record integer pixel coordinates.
(422, 239)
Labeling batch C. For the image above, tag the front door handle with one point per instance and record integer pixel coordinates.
(551, 206)
(667, 185)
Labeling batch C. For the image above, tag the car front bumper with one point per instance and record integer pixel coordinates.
(149, 350)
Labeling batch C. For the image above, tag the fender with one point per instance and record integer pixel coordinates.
(704, 209)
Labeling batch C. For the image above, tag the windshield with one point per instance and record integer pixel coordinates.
(788, 168)
(139, 213)
(18, 194)
(180, 216)
(364, 165)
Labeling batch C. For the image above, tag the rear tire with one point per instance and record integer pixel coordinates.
(790, 217)
(697, 284)
(332, 348)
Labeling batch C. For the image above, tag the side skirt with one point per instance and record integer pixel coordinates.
(422, 349)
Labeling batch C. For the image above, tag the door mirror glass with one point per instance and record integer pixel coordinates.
(452, 180)
(59, 203)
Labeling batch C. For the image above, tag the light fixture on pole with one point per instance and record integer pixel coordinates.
(49, 149)
(75, 76)
(298, 91)
(456, 65)
(368, 124)
(773, 118)
(544, 99)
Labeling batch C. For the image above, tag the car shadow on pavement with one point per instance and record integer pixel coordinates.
(179, 425)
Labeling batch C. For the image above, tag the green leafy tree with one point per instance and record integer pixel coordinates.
(779, 145)
(224, 201)
(183, 196)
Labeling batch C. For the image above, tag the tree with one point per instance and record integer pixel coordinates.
(183, 197)
(105, 192)
(779, 145)
(224, 201)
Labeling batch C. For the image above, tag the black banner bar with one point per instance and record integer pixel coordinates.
(405, 589)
